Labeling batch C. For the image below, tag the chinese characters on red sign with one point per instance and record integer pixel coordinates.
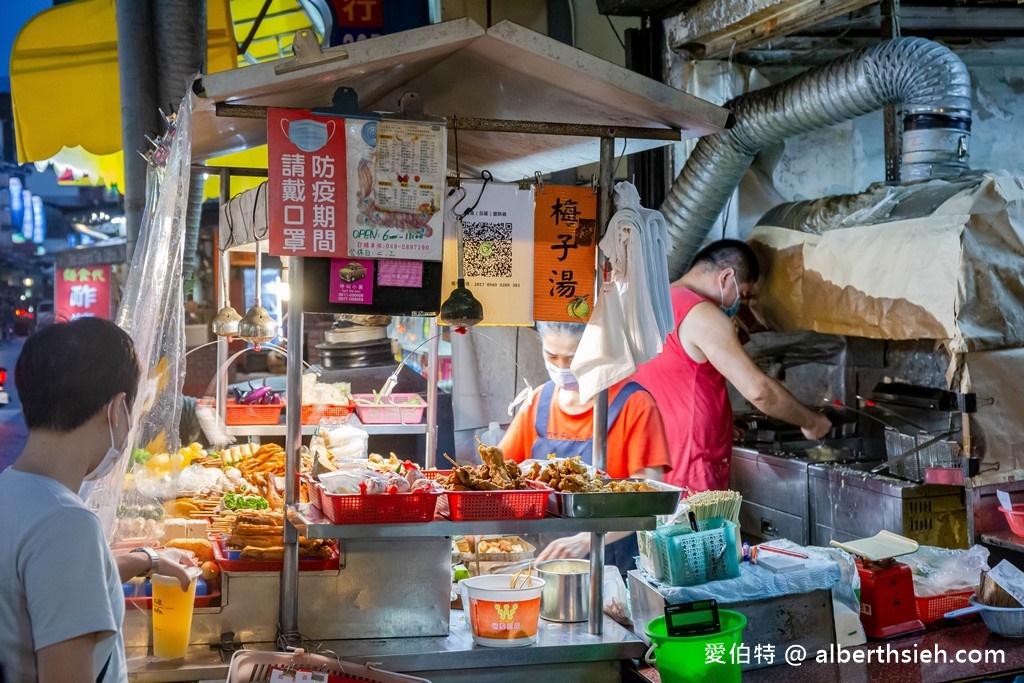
(307, 200)
(82, 292)
(565, 250)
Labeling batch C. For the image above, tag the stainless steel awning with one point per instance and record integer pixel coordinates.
(460, 70)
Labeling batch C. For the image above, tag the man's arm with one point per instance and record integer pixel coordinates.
(712, 333)
(69, 661)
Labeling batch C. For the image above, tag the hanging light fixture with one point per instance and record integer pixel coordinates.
(462, 310)
(225, 323)
(257, 326)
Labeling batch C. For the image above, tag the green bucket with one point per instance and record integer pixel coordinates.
(713, 658)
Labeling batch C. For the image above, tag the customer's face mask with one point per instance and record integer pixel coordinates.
(733, 310)
(309, 135)
(114, 452)
(562, 377)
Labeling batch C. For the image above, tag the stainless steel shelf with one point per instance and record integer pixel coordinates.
(307, 430)
(1004, 539)
(311, 523)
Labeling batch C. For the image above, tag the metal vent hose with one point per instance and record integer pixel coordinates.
(927, 79)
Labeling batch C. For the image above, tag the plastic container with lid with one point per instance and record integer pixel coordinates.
(492, 437)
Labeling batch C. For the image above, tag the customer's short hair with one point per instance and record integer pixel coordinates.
(566, 328)
(68, 371)
(734, 254)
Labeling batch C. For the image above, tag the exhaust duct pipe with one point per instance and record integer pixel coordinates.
(927, 79)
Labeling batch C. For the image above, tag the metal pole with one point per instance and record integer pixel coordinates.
(289, 607)
(433, 377)
(136, 66)
(223, 285)
(606, 180)
(892, 129)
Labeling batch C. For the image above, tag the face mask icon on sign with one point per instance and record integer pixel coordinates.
(308, 135)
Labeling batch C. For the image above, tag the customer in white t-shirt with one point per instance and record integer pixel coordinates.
(61, 602)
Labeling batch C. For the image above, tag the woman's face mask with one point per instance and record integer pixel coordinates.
(113, 452)
(562, 377)
(734, 310)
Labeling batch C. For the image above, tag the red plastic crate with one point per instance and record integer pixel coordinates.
(240, 414)
(931, 609)
(312, 413)
(1015, 518)
(467, 506)
(385, 508)
(222, 555)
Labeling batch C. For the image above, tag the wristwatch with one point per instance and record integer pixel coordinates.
(154, 559)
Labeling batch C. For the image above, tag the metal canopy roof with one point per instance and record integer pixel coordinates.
(459, 70)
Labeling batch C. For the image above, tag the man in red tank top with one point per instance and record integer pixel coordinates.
(688, 378)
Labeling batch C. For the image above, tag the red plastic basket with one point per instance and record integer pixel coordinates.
(1015, 518)
(387, 412)
(312, 413)
(394, 508)
(932, 608)
(241, 414)
(467, 506)
(222, 555)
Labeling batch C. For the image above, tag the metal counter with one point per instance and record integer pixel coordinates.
(563, 652)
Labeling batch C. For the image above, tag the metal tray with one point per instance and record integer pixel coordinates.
(661, 502)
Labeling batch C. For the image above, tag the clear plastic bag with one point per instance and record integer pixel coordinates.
(152, 313)
(616, 597)
(938, 571)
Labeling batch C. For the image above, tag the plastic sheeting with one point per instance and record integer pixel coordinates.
(152, 312)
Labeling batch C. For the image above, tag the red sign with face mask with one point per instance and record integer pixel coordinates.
(82, 293)
(306, 188)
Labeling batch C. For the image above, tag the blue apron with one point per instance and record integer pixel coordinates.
(621, 553)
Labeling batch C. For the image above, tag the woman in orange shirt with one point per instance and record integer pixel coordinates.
(557, 422)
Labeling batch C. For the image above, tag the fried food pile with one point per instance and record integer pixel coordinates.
(260, 535)
(570, 475)
(501, 545)
(495, 474)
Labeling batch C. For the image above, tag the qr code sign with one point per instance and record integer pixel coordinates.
(487, 248)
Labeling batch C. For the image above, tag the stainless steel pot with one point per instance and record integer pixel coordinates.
(566, 594)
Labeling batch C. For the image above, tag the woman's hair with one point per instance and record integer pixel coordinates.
(67, 372)
(568, 329)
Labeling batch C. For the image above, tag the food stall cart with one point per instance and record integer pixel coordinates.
(508, 92)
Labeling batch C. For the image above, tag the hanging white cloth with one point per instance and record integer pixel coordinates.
(633, 314)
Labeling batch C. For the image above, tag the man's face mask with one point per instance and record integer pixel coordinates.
(113, 452)
(731, 311)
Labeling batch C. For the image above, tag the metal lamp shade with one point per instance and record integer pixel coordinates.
(462, 309)
(225, 323)
(257, 326)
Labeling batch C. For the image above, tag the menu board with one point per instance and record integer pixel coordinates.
(565, 253)
(394, 189)
(306, 184)
(497, 242)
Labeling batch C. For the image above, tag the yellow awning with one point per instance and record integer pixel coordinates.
(65, 85)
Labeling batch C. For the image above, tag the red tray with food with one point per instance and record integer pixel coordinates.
(467, 506)
(381, 508)
(230, 560)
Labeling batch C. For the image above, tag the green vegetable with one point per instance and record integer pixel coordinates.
(141, 456)
(236, 502)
